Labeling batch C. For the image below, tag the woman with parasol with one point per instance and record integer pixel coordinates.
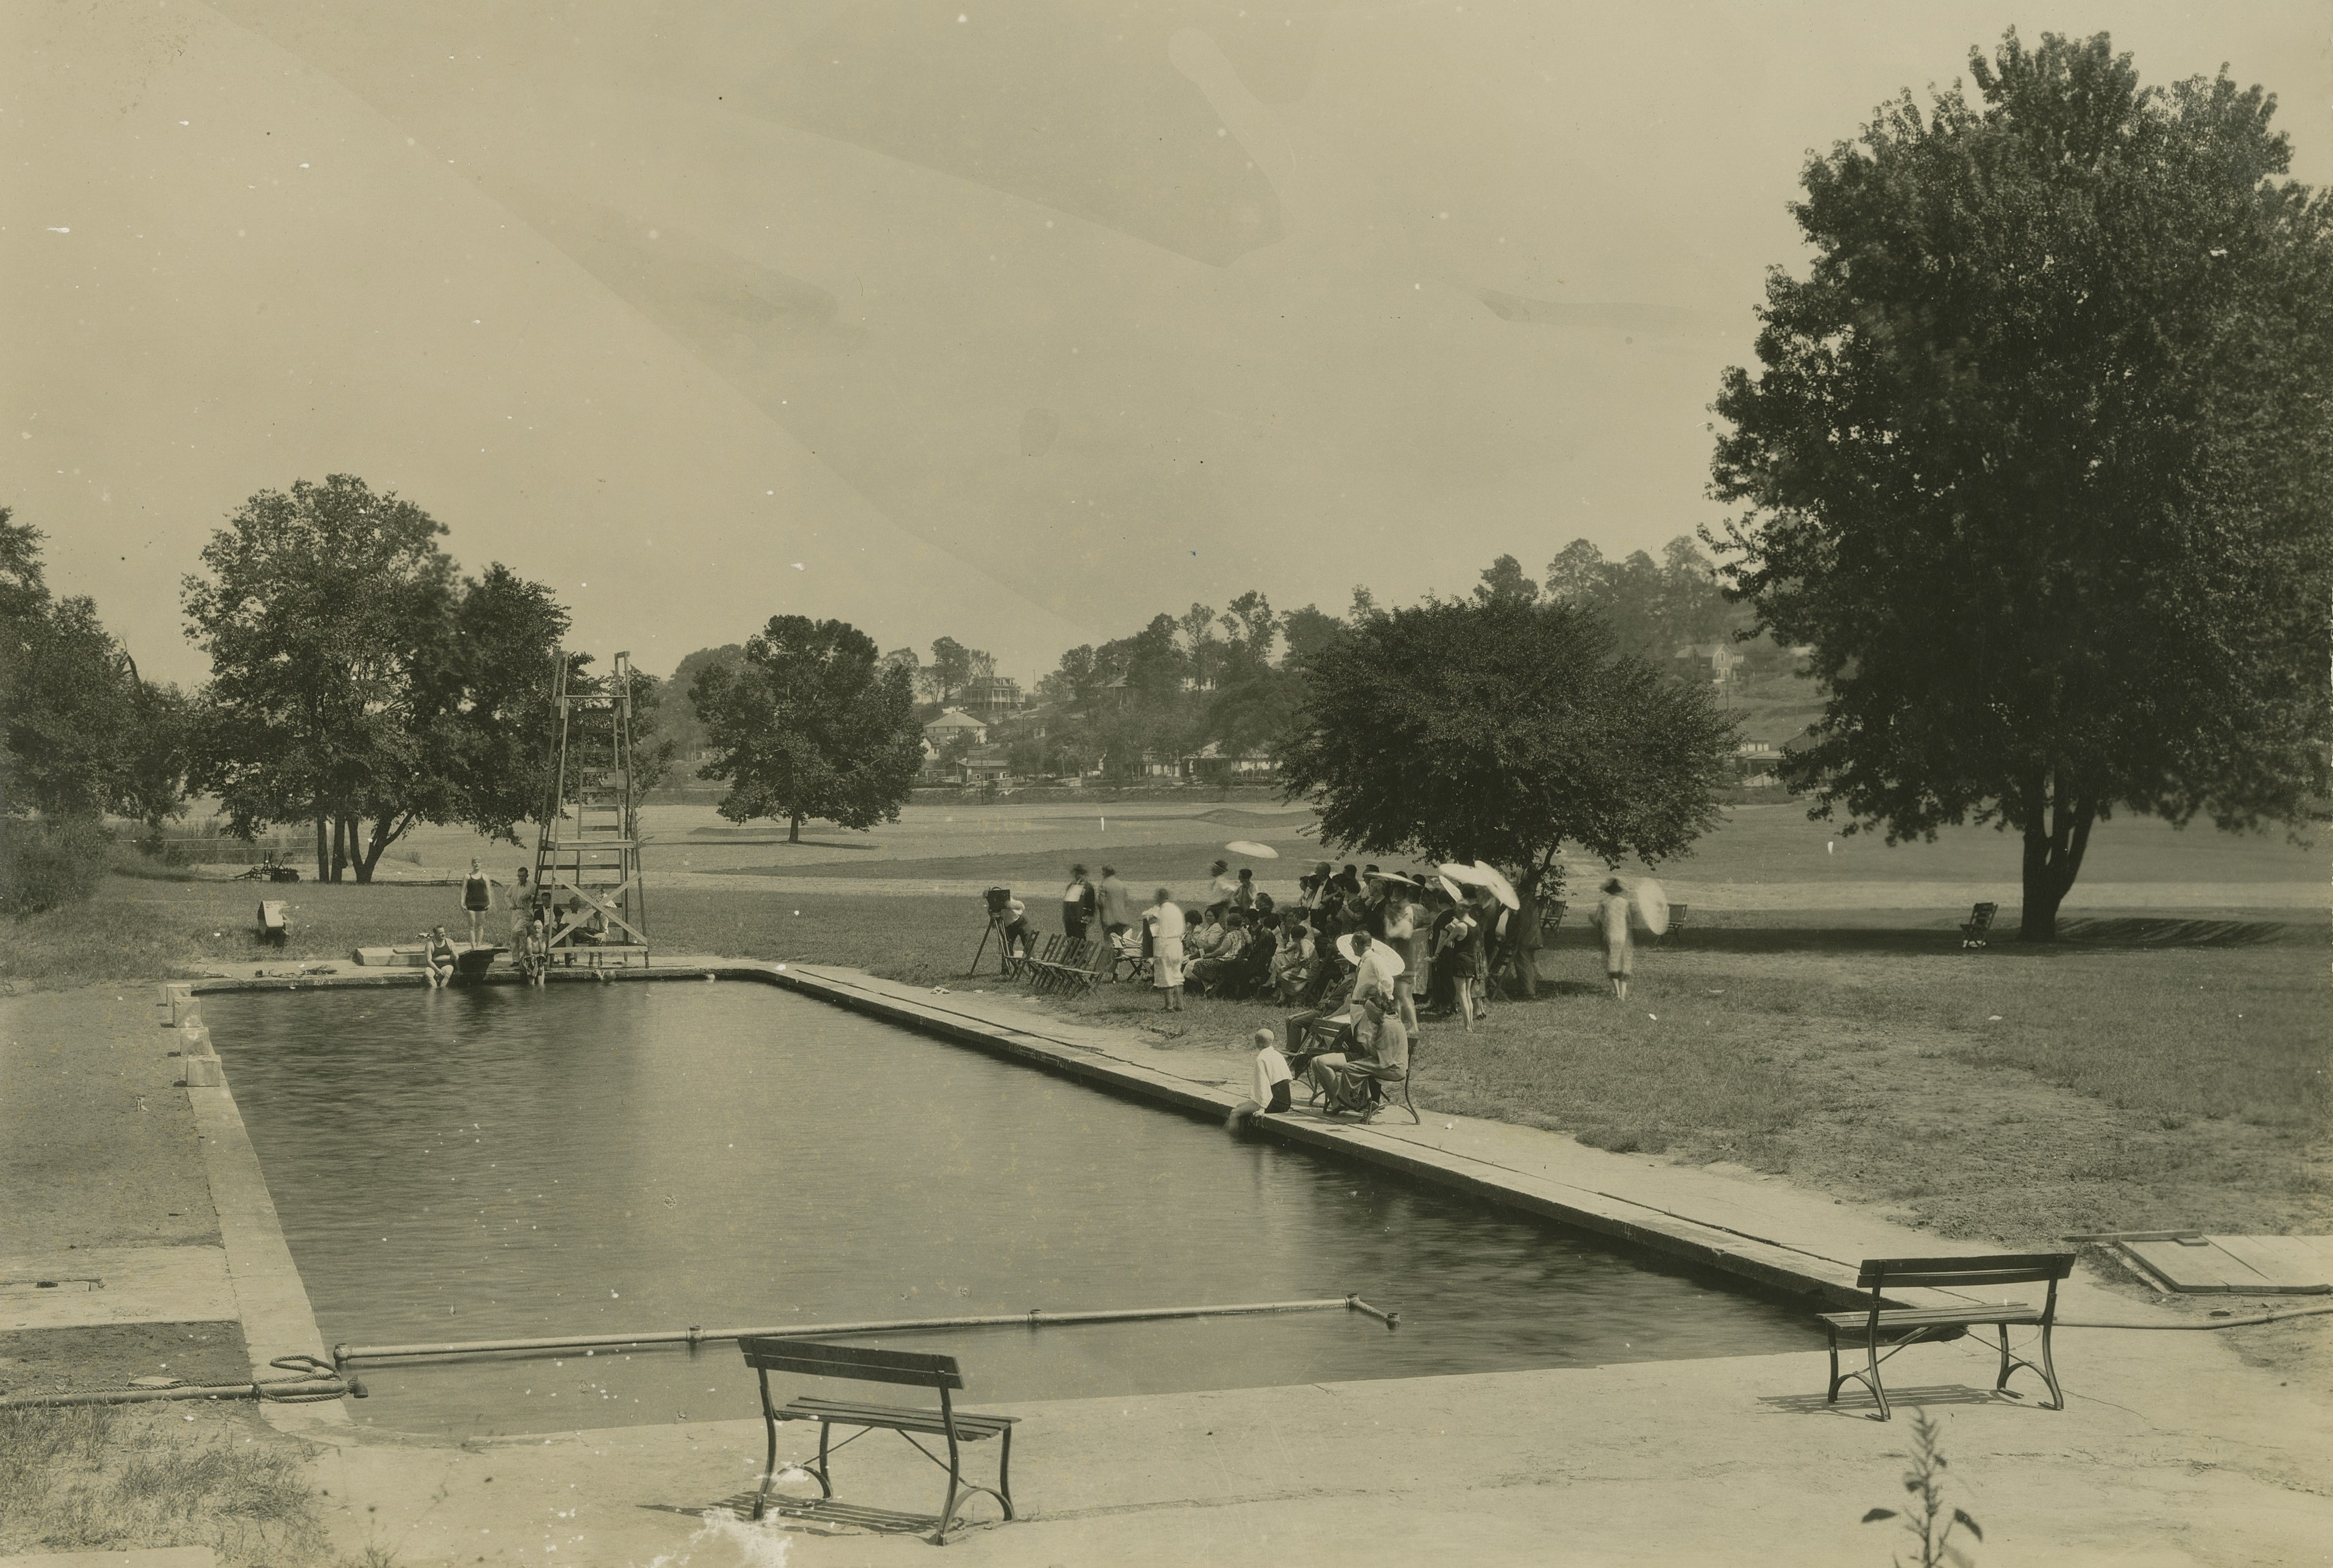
(1612, 926)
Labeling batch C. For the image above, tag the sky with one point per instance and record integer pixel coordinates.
(1017, 323)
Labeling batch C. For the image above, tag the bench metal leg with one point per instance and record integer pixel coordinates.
(1870, 1377)
(1004, 1474)
(2009, 1362)
(770, 1460)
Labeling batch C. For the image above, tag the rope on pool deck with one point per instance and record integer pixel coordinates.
(314, 1380)
(2208, 1323)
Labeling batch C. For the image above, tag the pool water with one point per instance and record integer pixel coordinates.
(501, 1163)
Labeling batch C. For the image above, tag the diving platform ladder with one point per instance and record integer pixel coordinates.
(587, 858)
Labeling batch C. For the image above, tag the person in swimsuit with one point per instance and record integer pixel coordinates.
(478, 897)
(437, 957)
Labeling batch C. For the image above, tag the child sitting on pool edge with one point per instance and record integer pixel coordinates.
(1268, 1090)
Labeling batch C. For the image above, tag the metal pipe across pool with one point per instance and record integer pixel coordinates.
(1035, 1318)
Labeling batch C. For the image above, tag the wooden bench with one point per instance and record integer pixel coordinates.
(1979, 922)
(1900, 1326)
(274, 924)
(810, 1358)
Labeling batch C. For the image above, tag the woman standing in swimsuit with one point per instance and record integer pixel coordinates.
(478, 897)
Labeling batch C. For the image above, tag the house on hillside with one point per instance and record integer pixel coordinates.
(1756, 764)
(990, 698)
(954, 723)
(1711, 662)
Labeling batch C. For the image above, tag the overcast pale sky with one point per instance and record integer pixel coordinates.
(1017, 323)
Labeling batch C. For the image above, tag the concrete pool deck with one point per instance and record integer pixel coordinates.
(2173, 1449)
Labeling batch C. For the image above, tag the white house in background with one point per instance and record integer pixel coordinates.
(1711, 662)
(952, 723)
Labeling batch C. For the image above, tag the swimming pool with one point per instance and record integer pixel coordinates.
(500, 1163)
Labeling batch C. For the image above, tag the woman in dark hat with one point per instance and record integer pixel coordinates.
(1612, 926)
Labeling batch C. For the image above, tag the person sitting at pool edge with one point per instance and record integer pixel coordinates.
(437, 957)
(1268, 1091)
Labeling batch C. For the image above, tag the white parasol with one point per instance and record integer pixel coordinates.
(1391, 876)
(1252, 850)
(1504, 890)
(1457, 893)
(1391, 962)
(1652, 906)
(1477, 875)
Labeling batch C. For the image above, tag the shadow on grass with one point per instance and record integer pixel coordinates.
(756, 837)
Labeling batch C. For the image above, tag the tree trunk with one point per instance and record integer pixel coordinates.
(1524, 945)
(362, 858)
(2056, 835)
(323, 846)
(383, 835)
(339, 847)
(793, 833)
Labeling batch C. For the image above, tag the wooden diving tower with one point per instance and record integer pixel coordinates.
(590, 845)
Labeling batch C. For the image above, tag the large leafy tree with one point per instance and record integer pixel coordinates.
(359, 683)
(1502, 730)
(80, 733)
(2039, 457)
(813, 723)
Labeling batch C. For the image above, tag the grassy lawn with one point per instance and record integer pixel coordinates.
(2143, 1073)
(113, 1478)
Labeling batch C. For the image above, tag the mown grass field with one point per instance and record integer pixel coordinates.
(2143, 1073)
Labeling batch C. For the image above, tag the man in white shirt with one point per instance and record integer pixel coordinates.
(1268, 1090)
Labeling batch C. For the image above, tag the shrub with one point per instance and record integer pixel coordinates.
(45, 864)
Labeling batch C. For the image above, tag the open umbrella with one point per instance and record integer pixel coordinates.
(1252, 850)
(1390, 962)
(1501, 888)
(1391, 876)
(1477, 875)
(1652, 906)
(1457, 893)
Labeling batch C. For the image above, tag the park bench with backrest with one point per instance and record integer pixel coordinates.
(1974, 928)
(809, 1358)
(1871, 1327)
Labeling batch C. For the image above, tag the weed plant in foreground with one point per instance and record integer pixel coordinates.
(112, 1477)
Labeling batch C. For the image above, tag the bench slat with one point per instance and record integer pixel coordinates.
(2000, 1268)
(2014, 1312)
(971, 1429)
(814, 1358)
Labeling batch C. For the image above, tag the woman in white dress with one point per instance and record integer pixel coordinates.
(1165, 918)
